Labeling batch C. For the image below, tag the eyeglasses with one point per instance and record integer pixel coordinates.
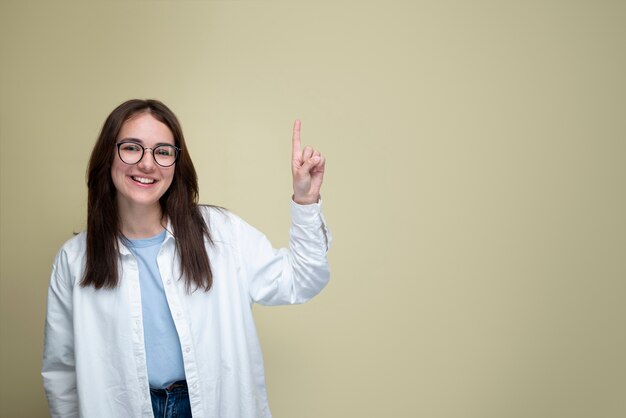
(132, 152)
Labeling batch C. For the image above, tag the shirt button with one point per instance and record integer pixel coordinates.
(168, 282)
(187, 349)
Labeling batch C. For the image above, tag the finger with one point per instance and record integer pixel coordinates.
(319, 167)
(295, 141)
(308, 164)
(307, 153)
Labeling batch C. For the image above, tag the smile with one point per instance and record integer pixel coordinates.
(142, 180)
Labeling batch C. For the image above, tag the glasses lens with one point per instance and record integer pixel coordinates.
(130, 153)
(165, 155)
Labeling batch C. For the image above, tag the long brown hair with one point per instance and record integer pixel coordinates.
(179, 204)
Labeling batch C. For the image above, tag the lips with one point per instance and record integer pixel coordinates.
(143, 180)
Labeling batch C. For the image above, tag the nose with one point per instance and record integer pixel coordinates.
(147, 162)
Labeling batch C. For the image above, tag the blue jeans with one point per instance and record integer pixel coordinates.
(171, 402)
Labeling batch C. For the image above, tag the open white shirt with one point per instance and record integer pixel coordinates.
(94, 362)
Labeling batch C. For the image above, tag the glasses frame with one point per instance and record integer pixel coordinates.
(143, 152)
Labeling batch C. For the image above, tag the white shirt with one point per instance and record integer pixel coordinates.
(94, 362)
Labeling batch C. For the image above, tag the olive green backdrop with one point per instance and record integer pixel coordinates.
(475, 186)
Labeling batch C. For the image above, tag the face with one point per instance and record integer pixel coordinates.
(141, 185)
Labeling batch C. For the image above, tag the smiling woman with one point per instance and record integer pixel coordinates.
(136, 200)
(141, 181)
(149, 310)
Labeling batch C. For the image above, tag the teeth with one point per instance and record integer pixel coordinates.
(143, 180)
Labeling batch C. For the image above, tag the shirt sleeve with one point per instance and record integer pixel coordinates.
(58, 370)
(287, 275)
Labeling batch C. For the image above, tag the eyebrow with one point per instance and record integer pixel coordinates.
(139, 141)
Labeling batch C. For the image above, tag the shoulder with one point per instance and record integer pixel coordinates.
(70, 260)
(223, 224)
(217, 217)
(73, 248)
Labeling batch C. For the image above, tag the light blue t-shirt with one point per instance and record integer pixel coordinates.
(163, 352)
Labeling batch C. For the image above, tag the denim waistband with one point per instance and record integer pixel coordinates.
(179, 386)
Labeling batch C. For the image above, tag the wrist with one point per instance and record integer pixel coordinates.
(306, 200)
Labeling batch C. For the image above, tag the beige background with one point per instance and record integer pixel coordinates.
(475, 186)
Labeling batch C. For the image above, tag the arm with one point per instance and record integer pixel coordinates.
(58, 370)
(296, 274)
(287, 275)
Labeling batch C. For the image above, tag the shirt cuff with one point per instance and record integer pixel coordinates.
(306, 214)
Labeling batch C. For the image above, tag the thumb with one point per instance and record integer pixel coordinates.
(309, 164)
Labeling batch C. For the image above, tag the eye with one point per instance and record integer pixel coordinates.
(165, 151)
(130, 147)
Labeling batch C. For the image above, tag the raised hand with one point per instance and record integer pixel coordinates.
(307, 169)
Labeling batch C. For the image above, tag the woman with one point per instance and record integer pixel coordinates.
(149, 310)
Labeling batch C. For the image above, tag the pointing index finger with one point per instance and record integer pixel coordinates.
(295, 140)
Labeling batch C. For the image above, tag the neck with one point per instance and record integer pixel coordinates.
(141, 222)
